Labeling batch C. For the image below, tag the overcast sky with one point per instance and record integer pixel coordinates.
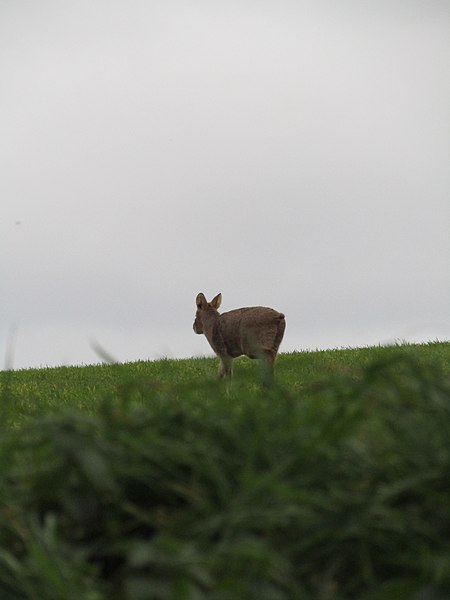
(293, 154)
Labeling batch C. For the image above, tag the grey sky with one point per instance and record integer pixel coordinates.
(289, 154)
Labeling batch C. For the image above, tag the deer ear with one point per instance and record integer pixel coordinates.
(201, 301)
(217, 301)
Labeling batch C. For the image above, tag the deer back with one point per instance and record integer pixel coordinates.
(249, 331)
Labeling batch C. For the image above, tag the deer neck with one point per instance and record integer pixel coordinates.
(210, 318)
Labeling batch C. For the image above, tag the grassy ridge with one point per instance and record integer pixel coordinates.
(34, 392)
(154, 481)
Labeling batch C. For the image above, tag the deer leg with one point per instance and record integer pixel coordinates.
(267, 362)
(225, 366)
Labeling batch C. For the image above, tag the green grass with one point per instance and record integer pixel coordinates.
(155, 481)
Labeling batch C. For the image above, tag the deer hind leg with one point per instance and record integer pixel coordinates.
(267, 362)
(225, 366)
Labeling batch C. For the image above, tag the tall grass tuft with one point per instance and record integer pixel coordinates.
(334, 489)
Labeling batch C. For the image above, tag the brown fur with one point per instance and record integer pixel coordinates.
(254, 331)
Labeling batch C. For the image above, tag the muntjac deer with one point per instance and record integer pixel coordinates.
(254, 331)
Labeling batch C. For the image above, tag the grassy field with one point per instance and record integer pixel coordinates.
(153, 480)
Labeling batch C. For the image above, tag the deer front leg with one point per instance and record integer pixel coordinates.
(225, 366)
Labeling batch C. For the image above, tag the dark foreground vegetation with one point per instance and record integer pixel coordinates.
(153, 481)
